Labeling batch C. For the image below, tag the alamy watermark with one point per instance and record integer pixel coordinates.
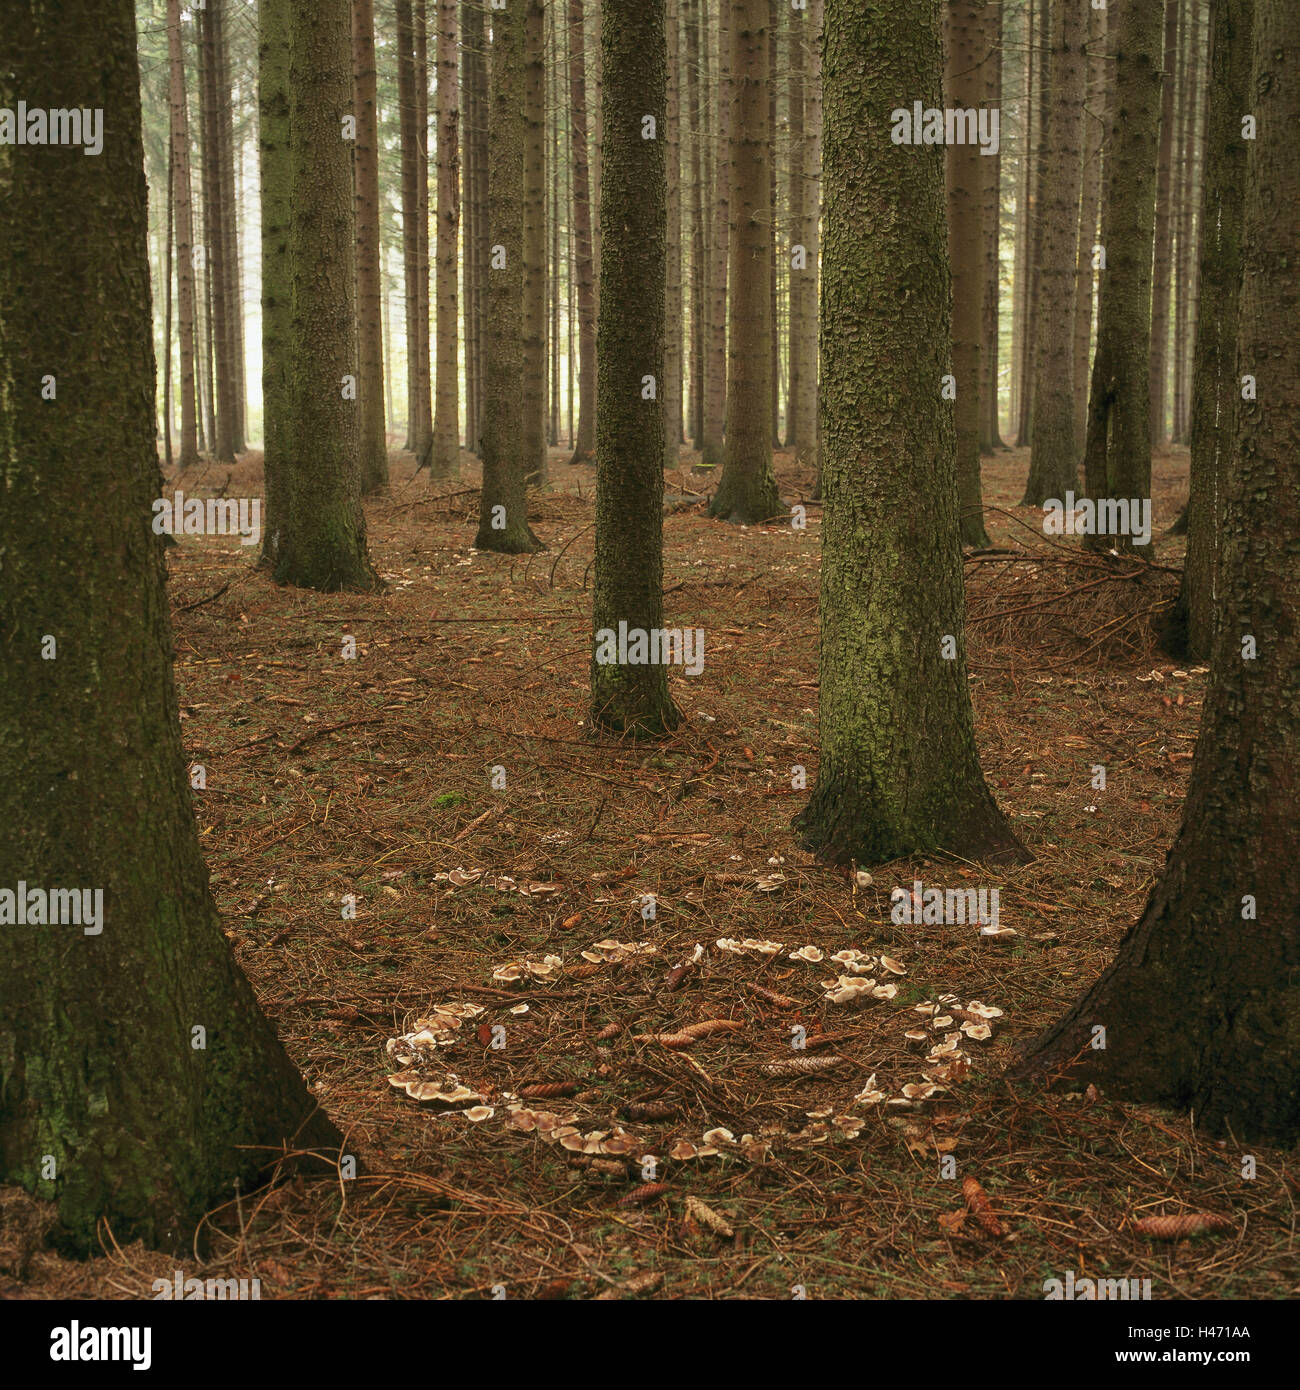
(38, 125)
(1072, 1288)
(920, 905)
(962, 125)
(55, 907)
(660, 646)
(178, 1288)
(1103, 516)
(209, 516)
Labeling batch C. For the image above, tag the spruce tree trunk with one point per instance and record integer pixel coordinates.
(631, 698)
(716, 361)
(276, 169)
(323, 543)
(1164, 230)
(410, 211)
(1089, 213)
(812, 450)
(774, 14)
(180, 149)
(991, 170)
(1118, 454)
(445, 461)
(964, 87)
(228, 222)
(370, 375)
(1217, 388)
(672, 383)
(1053, 462)
(585, 445)
(221, 375)
(1200, 1006)
(796, 65)
(1186, 269)
(1020, 270)
(899, 771)
(747, 489)
(503, 520)
(147, 1122)
(423, 345)
(533, 405)
(699, 212)
(474, 87)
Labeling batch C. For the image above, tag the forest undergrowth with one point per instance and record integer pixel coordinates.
(819, 1176)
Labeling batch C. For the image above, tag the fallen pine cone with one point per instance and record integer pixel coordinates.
(799, 1066)
(1188, 1223)
(610, 1030)
(782, 1001)
(981, 1208)
(545, 1090)
(706, 1216)
(711, 1025)
(652, 1110)
(676, 977)
(646, 1192)
(667, 1039)
(826, 1039)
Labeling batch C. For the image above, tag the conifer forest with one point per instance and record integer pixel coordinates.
(649, 652)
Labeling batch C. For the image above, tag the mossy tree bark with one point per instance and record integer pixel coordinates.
(1053, 459)
(445, 460)
(503, 518)
(276, 168)
(964, 87)
(1217, 389)
(370, 375)
(323, 541)
(747, 489)
(1117, 459)
(899, 771)
(628, 580)
(107, 1105)
(1201, 1006)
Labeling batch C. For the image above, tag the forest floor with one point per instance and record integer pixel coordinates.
(372, 777)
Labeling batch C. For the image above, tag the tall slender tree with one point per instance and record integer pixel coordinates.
(585, 444)
(180, 153)
(1192, 1018)
(1095, 116)
(964, 84)
(1118, 456)
(445, 460)
(533, 385)
(410, 184)
(1216, 387)
(899, 771)
(747, 489)
(142, 1082)
(631, 697)
(503, 519)
(370, 361)
(323, 541)
(671, 391)
(715, 348)
(991, 170)
(1164, 228)
(1054, 461)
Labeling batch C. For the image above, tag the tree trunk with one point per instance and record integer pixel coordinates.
(1187, 257)
(1020, 271)
(964, 87)
(180, 148)
(1054, 462)
(370, 376)
(424, 367)
(631, 697)
(1192, 1019)
(276, 170)
(445, 461)
(228, 220)
(1164, 230)
(672, 382)
(899, 771)
(474, 85)
(1118, 455)
(141, 1080)
(716, 361)
(1043, 96)
(1089, 209)
(406, 105)
(223, 443)
(812, 450)
(1216, 386)
(533, 406)
(323, 544)
(747, 489)
(991, 171)
(774, 13)
(699, 232)
(585, 446)
(503, 520)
